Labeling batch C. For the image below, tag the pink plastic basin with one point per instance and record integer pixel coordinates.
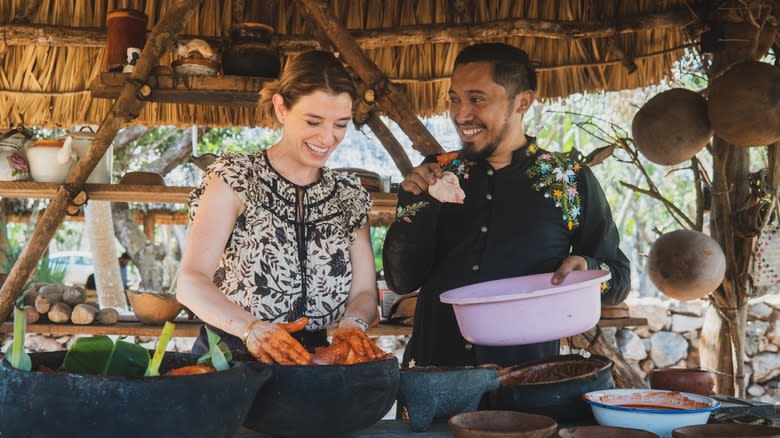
(528, 309)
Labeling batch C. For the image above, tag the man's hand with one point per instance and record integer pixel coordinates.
(422, 176)
(570, 263)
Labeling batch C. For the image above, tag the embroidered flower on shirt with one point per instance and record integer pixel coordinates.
(453, 162)
(406, 212)
(604, 287)
(556, 176)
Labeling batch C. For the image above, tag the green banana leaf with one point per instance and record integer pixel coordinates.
(101, 356)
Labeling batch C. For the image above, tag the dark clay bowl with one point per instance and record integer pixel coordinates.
(726, 431)
(501, 424)
(66, 405)
(312, 401)
(554, 387)
(696, 381)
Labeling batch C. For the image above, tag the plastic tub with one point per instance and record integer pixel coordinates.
(528, 309)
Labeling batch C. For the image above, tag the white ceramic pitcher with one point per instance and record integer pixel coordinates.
(82, 139)
(51, 160)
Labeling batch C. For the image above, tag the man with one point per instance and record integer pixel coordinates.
(526, 211)
(124, 260)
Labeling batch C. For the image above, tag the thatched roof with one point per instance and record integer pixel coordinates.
(580, 46)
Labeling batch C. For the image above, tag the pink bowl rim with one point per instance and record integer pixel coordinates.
(592, 277)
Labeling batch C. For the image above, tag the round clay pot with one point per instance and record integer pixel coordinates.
(697, 381)
(490, 424)
(125, 28)
(250, 52)
(154, 308)
(686, 264)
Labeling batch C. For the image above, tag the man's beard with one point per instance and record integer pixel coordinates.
(469, 148)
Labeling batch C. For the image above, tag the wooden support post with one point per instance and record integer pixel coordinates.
(388, 96)
(774, 165)
(149, 221)
(603, 342)
(126, 107)
(390, 143)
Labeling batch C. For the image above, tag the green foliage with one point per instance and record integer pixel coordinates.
(154, 365)
(377, 240)
(99, 355)
(218, 356)
(218, 141)
(45, 272)
(15, 354)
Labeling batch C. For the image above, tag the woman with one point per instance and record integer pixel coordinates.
(276, 236)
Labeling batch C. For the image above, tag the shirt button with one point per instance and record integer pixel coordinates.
(488, 196)
(490, 172)
(483, 229)
(467, 347)
(475, 268)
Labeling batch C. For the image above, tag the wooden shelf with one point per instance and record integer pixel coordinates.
(242, 91)
(188, 328)
(384, 203)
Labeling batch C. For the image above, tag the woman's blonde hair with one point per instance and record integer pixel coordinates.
(303, 75)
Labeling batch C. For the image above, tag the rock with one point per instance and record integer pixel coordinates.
(756, 390)
(689, 308)
(756, 328)
(766, 366)
(631, 345)
(685, 323)
(751, 345)
(772, 348)
(759, 310)
(643, 332)
(773, 332)
(653, 309)
(646, 365)
(667, 348)
(772, 300)
(40, 343)
(693, 360)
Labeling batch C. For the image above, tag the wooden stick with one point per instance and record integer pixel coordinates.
(387, 95)
(51, 35)
(390, 143)
(126, 107)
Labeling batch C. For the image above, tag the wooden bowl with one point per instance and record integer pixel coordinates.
(142, 178)
(153, 308)
(501, 424)
(604, 432)
(696, 381)
(725, 431)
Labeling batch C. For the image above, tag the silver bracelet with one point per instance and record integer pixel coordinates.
(363, 324)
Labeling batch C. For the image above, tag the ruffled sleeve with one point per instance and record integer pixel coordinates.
(356, 202)
(232, 170)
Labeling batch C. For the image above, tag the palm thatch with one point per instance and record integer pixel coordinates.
(580, 46)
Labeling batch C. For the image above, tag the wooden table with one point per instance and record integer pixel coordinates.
(191, 328)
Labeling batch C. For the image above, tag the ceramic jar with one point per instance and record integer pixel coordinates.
(125, 28)
(13, 165)
(250, 52)
(80, 144)
(51, 160)
(696, 381)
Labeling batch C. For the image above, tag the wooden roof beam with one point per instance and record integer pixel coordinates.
(61, 36)
(386, 94)
(126, 107)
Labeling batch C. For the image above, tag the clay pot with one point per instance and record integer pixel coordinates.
(154, 308)
(672, 127)
(486, 424)
(696, 381)
(603, 432)
(744, 105)
(686, 264)
(142, 178)
(125, 28)
(250, 52)
(725, 431)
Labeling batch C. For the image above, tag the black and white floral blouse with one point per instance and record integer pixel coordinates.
(275, 266)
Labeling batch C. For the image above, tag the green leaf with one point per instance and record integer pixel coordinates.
(159, 352)
(218, 355)
(15, 354)
(98, 355)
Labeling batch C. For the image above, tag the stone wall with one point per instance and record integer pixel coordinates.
(672, 336)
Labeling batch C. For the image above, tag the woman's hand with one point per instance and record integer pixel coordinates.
(271, 343)
(359, 342)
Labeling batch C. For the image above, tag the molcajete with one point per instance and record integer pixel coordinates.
(65, 405)
(435, 392)
(314, 401)
(554, 387)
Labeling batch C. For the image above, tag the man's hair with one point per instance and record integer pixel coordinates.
(512, 69)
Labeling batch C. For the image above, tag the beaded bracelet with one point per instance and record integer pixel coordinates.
(361, 322)
(249, 329)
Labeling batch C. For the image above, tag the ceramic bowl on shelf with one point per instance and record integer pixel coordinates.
(653, 410)
(154, 308)
(517, 311)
